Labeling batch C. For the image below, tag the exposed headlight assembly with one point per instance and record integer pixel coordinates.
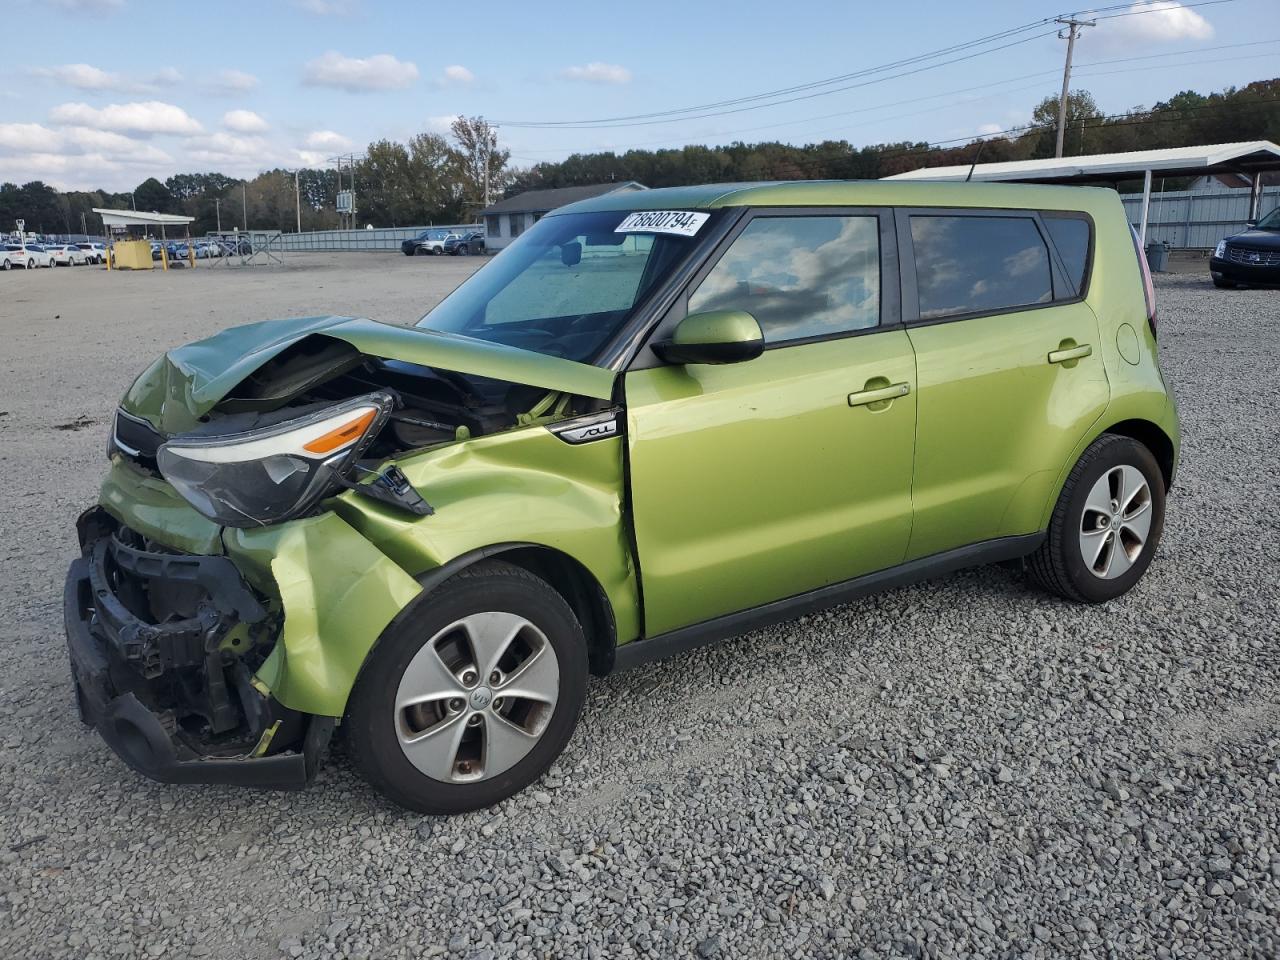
(275, 473)
(1220, 250)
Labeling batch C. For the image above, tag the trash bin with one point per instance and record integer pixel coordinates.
(1157, 256)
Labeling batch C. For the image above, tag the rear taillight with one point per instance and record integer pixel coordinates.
(1148, 288)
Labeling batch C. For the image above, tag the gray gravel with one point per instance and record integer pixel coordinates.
(960, 768)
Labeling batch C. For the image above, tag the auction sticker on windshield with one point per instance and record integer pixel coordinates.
(684, 223)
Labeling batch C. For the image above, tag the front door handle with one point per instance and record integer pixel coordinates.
(1067, 354)
(879, 394)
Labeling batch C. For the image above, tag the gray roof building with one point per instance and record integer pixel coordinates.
(507, 219)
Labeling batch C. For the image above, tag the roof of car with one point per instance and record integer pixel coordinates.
(846, 193)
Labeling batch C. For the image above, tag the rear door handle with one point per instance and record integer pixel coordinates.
(1071, 353)
(880, 394)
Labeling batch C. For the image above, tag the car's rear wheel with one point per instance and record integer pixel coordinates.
(1106, 524)
(8, 265)
(470, 695)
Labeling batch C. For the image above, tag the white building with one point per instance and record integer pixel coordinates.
(507, 219)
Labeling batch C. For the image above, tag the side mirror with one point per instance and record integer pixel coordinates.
(571, 254)
(1251, 223)
(716, 336)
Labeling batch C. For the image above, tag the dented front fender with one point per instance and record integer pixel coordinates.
(337, 592)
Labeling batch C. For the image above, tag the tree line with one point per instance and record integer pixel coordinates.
(1186, 119)
(438, 179)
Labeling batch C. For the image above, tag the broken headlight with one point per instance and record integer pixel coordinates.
(275, 473)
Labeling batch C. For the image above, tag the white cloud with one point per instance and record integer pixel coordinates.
(147, 117)
(441, 124)
(231, 82)
(454, 75)
(84, 76)
(986, 129)
(244, 121)
(226, 146)
(597, 72)
(359, 75)
(327, 140)
(27, 138)
(1154, 21)
(31, 139)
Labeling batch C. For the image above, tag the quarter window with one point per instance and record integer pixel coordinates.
(1071, 237)
(978, 264)
(799, 276)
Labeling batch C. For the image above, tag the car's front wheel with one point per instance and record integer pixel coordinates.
(470, 695)
(1106, 524)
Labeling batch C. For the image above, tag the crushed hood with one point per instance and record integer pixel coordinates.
(189, 381)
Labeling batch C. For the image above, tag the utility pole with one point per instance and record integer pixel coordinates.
(297, 200)
(217, 211)
(244, 204)
(1073, 30)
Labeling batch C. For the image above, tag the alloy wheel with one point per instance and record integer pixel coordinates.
(1116, 522)
(477, 697)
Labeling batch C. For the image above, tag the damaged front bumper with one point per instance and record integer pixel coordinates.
(167, 694)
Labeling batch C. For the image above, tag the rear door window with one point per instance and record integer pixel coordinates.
(1071, 236)
(967, 264)
(800, 277)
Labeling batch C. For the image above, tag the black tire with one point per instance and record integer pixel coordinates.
(1059, 565)
(371, 722)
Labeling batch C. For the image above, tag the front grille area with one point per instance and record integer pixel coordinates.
(1254, 256)
(136, 439)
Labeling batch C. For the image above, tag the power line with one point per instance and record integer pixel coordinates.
(811, 89)
(1084, 69)
(605, 125)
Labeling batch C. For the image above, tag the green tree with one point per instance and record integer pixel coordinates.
(152, 195)
(481, 161)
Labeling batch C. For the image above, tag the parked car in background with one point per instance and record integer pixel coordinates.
(429, 242)
(14, 256)
(1249, 257)
(38, 255)
(156, 249)
(67, 255)
(432, 535)
(467, 243)
(94, 252)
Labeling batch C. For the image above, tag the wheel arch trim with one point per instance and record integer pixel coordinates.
(564, 573)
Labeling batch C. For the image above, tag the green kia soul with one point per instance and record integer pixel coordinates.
(657, 419)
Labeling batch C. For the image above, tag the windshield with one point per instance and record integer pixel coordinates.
(1271, 221)
(567, 285)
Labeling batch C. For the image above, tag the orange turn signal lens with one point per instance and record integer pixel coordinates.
(342, 436)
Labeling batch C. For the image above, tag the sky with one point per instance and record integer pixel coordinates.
(105, 93)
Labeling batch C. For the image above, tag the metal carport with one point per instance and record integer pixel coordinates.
(137, 218)
(1249, 159)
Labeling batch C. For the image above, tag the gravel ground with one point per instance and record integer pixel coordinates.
(964, 767)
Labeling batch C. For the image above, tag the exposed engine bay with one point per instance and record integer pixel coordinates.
(431, 405)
